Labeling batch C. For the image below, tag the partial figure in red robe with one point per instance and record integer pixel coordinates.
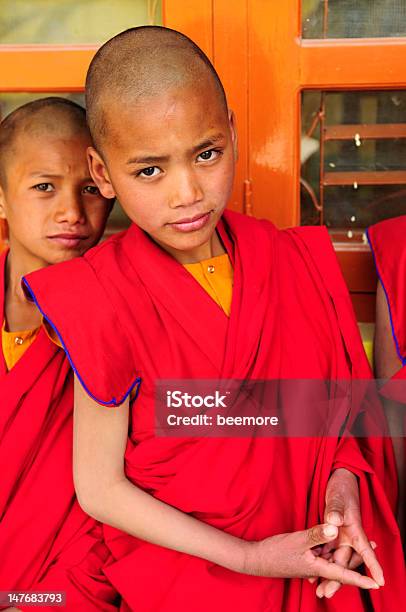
(209, 523)
(388, 245)
(54, 212)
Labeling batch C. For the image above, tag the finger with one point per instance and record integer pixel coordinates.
(342, 557)
(335, 507)
(362, 546)
(332, 571)
(318, 534)
(328, 588)
(357, 560)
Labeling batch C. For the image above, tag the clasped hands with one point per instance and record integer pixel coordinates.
(329, 552)
(351, 548)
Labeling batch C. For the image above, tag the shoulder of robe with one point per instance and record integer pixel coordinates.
(74, 298)
(305, 243)
(311, 244)
(316, 248)
(314, 245)
(107, 255)
(387, 240)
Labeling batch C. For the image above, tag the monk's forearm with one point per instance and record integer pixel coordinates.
(128, 508)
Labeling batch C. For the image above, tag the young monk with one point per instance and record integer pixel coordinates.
(54, 212)
(388, 244)
(192, 291)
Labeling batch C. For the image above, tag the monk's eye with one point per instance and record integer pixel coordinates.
(149, 172)
(209, 155)
(46, 187)
(91, 190)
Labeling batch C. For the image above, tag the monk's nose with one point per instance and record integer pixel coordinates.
(70, 208)
(186, 189)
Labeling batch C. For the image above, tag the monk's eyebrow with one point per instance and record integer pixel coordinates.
(149, 159)
(209, 142)
(161, 159)
(44, 174)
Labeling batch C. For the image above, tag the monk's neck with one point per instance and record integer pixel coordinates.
(19, 313)
(206, 251)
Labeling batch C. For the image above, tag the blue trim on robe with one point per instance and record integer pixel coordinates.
(113, 402)
(402, 359)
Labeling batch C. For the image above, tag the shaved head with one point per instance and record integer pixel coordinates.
(55, 116)
(141, 63)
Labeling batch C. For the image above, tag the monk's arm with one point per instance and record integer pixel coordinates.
(104, 492)
(387, 363)
(100, 438)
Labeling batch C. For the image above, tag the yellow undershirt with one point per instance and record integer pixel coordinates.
(14, 344)
(215, 275)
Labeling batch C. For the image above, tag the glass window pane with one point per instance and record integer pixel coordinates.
(72, 21)
(353, 18)
(353, 159)
(10, 101)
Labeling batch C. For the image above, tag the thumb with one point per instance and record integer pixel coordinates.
(335, 507)
(320, 534)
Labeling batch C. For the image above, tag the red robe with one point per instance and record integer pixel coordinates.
(46, 541)
(290, 318)
(388, 244)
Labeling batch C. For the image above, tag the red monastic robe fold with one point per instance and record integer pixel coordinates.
(46, 541)
(388, 244)
(127, 310)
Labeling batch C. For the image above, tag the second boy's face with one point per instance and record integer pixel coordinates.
(170, 162)
(53, 208)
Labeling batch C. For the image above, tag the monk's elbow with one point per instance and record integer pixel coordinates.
(88, 499)
(97, 496)
(91, 493)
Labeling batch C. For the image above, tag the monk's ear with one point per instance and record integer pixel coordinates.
(99, 173)
(2, 204)
(233, 130)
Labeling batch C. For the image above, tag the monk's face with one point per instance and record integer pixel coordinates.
(169, 159)
(53, 208)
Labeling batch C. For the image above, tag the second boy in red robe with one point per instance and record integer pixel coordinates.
(54, 212)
